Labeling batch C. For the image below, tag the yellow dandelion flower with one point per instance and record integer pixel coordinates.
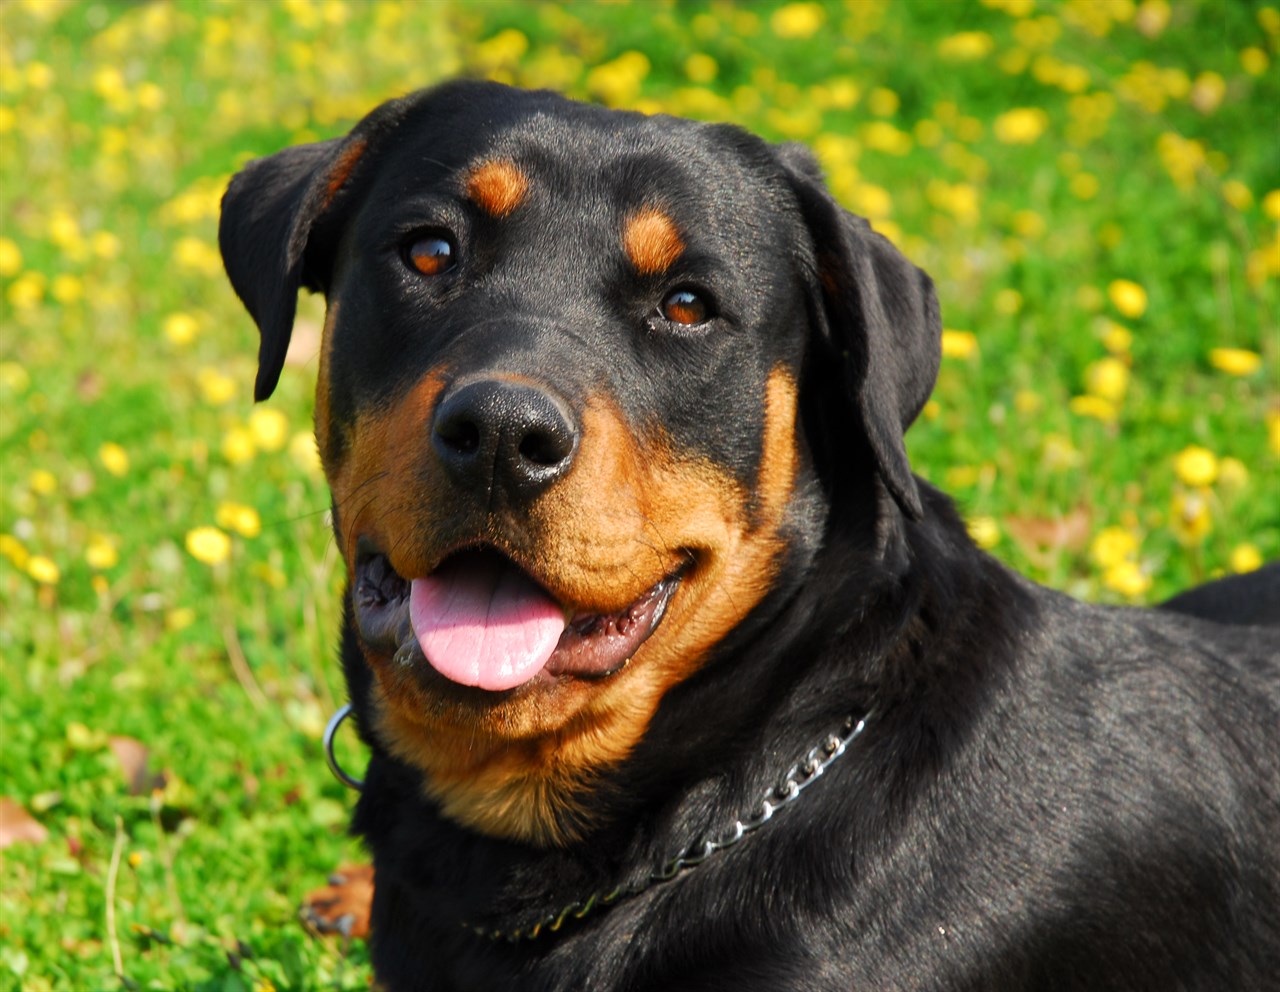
(1190, 517)
(967, 46)
(114, 459)
(1207, 92)
(883, 102)
(1196, 466)
(619, 81)
(959, 344)
(101, 553)
(931, 410)
(26, 292)
(208, 545)
(797, 20)
(1094, 407)
(105, 245)
(43, 570)
(1152, 17)
(14, 378)
(1235, 361)
(1127, 578)
(1269, 20)
(66, 289)
(269, 427)
(10, 258)
(242, 519)
(985, 532)
(13, 549)
(198, 256)
(1245, 558)
(1254, 61)
(1107, 378)
(1020, 126)
(1116, 338)
(1273, 431)
(64, 229)
(701, 68)
(1237, 194)
(1128, 297)
(302, 449)
(216, 388)
(1027, 401)
(1233, 475)
(179, 618)
(181, 328)
(238, 446)
(1028, 224)
(1007, 302)
(43, 482)
(1271, 205)
(150, 96)
(1113, 545)
(1084, 185)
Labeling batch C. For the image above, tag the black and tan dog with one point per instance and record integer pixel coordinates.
(673, 675)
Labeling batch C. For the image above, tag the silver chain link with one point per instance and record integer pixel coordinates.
(799, 777)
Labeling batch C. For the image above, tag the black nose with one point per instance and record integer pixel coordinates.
(491, 432)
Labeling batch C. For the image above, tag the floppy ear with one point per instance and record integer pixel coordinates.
(268, 215)
(881, 318)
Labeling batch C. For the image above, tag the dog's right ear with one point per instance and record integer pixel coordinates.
(269, 213)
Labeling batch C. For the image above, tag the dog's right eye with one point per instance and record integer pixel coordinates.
(431, 255)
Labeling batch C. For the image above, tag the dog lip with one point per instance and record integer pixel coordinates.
(594, 645)
(379, 599)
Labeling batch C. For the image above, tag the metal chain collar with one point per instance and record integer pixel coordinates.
(799, 777)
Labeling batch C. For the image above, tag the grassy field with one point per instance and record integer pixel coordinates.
(1094, 185)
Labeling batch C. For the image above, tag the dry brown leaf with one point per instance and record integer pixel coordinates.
(133, 756)
(1043, 538)
(18, 826)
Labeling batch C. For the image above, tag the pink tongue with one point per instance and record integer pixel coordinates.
(483, 622)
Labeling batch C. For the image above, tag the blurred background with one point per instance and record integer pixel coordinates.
(1093, 184)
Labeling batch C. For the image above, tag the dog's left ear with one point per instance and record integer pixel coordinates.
(882, 320)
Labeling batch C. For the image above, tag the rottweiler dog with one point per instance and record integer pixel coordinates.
(674, 676)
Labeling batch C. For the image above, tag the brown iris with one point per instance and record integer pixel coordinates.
(686, 307)
(431, 255)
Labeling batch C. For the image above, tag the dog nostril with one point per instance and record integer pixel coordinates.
(461, 435)
(546, 447)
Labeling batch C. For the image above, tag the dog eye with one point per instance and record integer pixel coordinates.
(684, 306)
(431, 255)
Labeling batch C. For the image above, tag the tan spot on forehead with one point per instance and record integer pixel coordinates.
(497, 186)
(651, 241)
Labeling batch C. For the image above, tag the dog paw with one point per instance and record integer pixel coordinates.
(342, 906)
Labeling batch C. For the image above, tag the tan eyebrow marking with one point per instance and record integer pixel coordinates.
(651, 241)
(497, 186)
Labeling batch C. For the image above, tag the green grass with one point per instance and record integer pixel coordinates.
(1147, 157)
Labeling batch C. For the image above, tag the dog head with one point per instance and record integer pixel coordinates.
(573, 369)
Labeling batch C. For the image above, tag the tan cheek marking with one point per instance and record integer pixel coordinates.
(651, 241)
(342, 170)
(375, 487)
(323, 421)
(497, 187)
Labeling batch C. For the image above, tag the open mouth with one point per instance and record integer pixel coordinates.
(479, 620)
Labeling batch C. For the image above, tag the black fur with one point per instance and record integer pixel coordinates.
(1048, 795)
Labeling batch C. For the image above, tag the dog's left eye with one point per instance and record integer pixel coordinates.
(431, 255)
(686, 307)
